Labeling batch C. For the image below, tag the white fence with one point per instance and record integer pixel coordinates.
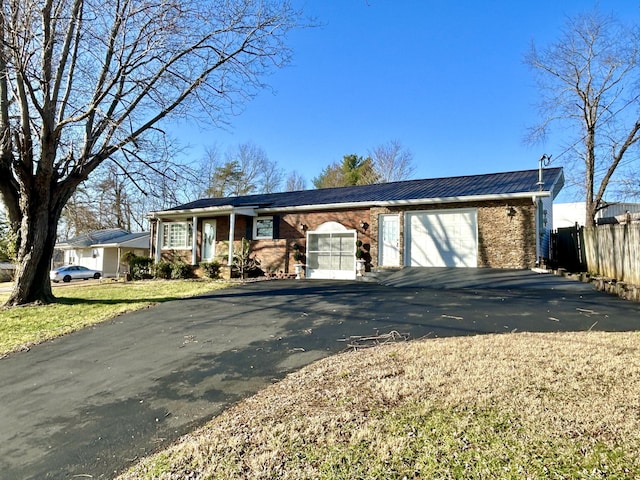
(614, 251)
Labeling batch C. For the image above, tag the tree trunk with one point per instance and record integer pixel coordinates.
(591, 203)
(37, 241)
(590, 218)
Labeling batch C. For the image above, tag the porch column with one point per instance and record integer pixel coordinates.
(232, 227)
(158, 241)
(194, 241)
(537, 204)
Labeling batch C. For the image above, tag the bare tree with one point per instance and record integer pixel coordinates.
(83, 81)
(392, 162)
(79, 215)
(249, 159)
(630, 187)
(246, 170)
(271, 177)
(588, 81)
(107, 200)
(295, 181)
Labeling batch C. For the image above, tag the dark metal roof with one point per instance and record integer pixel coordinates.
(127, 238)
(99, 237)
(508, 183)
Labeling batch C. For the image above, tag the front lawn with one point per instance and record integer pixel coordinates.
(83, 305)
(511, 406)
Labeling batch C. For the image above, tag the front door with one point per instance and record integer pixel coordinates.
(389, 241)
(208, 240)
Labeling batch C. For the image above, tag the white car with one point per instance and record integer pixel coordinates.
(73, 272)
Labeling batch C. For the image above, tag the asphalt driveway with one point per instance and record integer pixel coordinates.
(91, 403)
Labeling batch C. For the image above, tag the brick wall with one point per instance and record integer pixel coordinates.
(176, 256)
(223, 225)
(276, 256)
(504, 241)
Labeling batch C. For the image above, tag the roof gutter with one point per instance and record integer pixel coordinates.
(399, 203)
(221, 210)
(256, 210)
(127, 243)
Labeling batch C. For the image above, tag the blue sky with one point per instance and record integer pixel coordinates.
(445, 78)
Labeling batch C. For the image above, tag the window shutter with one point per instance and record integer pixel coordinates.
(249, 230)
(276, 227)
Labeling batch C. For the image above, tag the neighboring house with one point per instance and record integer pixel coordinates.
(103, 249)
(7, 270)
(500, 220)
(568, 214)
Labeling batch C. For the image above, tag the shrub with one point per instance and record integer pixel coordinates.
(163, 270)
(211, 269)
(8, 242)
(244, 263)
(128, 256)
(297, 253)
(181, 270)
(139, 266)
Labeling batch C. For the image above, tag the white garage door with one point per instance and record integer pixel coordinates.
(331, 252)
(443, 238)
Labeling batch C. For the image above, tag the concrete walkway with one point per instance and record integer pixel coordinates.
(94, 402)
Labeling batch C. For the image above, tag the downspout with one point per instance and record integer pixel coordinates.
(545, 160)
(537, 204)
(118, 264)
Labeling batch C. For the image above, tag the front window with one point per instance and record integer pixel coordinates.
(263, 228)
(176, 235)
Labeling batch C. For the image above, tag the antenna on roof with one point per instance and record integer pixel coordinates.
(544, 161)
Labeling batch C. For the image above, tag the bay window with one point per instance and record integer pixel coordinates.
(177, 235)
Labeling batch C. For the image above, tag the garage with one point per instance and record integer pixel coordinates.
(331, 252)
(442, 238)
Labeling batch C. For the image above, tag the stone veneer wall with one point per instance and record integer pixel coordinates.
(507, 241)
(504, 241)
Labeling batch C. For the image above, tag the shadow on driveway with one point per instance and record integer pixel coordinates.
(94, 402)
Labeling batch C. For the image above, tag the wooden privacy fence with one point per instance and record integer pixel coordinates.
(614, 251)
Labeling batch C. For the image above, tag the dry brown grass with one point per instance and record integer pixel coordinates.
(498, 406)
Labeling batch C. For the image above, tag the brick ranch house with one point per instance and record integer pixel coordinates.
(499, 220)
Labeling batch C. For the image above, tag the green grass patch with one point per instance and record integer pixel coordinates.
(512, 406)
(84, 305)
(414, 442)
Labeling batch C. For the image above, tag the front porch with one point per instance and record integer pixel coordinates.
(219, 236)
